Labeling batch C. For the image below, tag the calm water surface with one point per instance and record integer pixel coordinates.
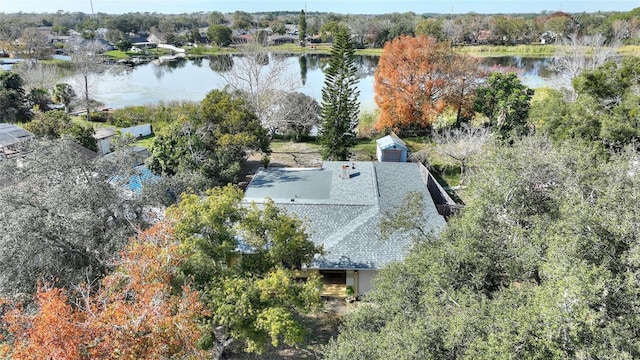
(191, 80)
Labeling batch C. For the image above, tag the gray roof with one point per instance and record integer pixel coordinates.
(103, 133)
(391, 141)
(343, 208)
(11, 134)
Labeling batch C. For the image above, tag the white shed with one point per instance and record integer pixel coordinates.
(103, 137)
(391, 149)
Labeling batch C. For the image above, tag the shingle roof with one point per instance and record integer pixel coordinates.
(391, 141)
(103, 133)
(346, 221)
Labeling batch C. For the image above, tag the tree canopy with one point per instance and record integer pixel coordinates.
(302, 28)
(219, 34)
(61, 218)
(13, 102)
(542, 263)
(136, 312)
(54, 124)
(86, 60)
(211, 142)
(417, 78)
(253, 295)
(214, 271)
(505, 101)
(604, 112)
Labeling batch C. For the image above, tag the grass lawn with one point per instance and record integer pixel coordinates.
(145, 142)
(117, 54)
(528, 50)
(629, 50)
(82, 120)
(516, 50)
(364, 150)
(284, 145)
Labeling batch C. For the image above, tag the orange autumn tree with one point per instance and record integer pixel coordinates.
(53, 332)
(135, 314)
(417, 78)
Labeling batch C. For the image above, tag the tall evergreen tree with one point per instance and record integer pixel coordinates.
(340, 104)
(302, 28)
(13, 101)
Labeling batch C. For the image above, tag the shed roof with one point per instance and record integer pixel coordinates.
(103, 133)
(391, 141)
(343, 213)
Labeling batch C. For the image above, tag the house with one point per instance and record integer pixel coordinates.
(342, 204)
(391, 148)
(155, 39)
(548, 37)
(105, 45)
(282, 39)
(103, 137)
(291, 29)
(76, 43)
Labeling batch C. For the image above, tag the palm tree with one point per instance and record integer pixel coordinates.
(63, 94)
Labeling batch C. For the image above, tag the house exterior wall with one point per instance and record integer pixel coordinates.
(391, 149)
(391, 155)
(104, 146)
(394, 155)
(363, 281)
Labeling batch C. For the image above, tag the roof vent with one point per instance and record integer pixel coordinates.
(345, 174)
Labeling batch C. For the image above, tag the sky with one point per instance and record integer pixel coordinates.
(336, 6)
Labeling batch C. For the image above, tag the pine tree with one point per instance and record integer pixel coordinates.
(340, 104)
(302, 28)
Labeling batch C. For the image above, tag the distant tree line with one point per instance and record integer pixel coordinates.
(367, 30)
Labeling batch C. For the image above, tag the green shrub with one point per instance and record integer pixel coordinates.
(159, 115)
(366, 123)
(101, 116)
(349, 290)
(197, 51)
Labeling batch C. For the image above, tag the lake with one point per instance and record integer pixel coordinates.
(191, 80)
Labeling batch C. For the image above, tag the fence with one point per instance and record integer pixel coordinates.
(444, 204)
(137, 131)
